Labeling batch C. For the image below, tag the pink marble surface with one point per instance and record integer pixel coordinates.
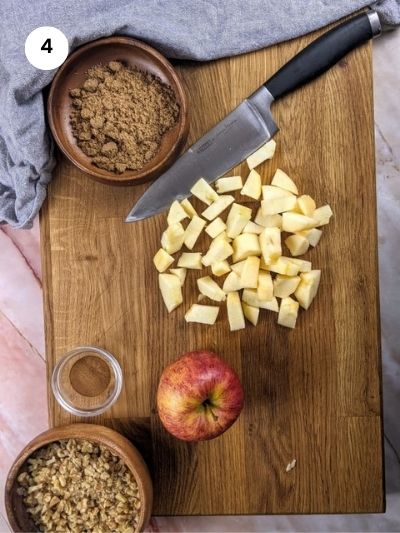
(23, 403)
(23, 400)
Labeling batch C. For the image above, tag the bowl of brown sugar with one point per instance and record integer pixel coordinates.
(118, 110)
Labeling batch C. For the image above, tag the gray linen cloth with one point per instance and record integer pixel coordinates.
(185, 29)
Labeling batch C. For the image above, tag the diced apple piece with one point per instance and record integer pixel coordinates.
(308, 287)
(162, 260)
(235, 311)
(288, 313)
(265, 288)
(250, 297)
(222, 237)
(228, 184)
(220, 268)
(282, 180)
(219, 251)
(251, 227)
(284, 286)
(173, 237)
(285, 266)
(238, 267)
(187, 206)
(209, 288)
(171, 290)
(238, 217)
(176, 213)
(268, 221)
(232, 283)
(252, 187)
(270, 192)
(271, 247)
(190, 260)
(202, 314)
(216, 227)
(312, 235)
(262, 154)
(249, 276)
(306, 205)
(278, 205)
(297, 244)
(204, 192)
(276, 200)
(251, 313)
(294, 222)
(218, 206)
(192, 233)
(322, 215)
(303, 266)
(180, 273)
(245, 245)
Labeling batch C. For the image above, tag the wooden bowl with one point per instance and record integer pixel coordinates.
(19, 518)
(72, 74)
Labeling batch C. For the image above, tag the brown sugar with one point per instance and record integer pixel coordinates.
(120, 114)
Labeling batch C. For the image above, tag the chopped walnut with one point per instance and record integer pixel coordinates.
(74, 486)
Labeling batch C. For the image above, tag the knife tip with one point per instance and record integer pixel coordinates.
(132, 218)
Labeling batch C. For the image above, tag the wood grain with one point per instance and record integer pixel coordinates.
(312, 394)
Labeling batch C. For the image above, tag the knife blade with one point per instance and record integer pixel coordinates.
(238, 135)
(251, 124)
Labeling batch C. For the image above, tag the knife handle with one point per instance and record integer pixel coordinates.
(323, 53)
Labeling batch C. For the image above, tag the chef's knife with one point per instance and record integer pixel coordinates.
(251, 124)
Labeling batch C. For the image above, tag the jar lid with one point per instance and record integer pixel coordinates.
(87, 381)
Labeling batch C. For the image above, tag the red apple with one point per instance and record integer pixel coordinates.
(199, 396)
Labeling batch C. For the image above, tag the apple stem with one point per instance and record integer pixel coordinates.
(208, 406)
(214, 415)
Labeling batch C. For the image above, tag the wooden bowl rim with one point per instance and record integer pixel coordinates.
(130, 177)
(93, 433)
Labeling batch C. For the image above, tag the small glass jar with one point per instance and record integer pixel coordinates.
(87, 381)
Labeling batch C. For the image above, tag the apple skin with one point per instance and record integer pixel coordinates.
(199, 396)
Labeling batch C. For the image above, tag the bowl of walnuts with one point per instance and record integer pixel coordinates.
(79, 477)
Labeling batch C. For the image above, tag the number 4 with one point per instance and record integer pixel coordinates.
(47, 46)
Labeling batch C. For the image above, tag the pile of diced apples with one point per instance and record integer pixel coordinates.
(248, 252)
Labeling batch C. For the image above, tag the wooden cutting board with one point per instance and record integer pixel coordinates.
(312, 394)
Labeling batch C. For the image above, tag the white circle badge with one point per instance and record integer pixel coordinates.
(46, 48)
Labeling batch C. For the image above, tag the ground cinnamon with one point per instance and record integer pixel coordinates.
(120, 115)
(87, 381)
(90, 376)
